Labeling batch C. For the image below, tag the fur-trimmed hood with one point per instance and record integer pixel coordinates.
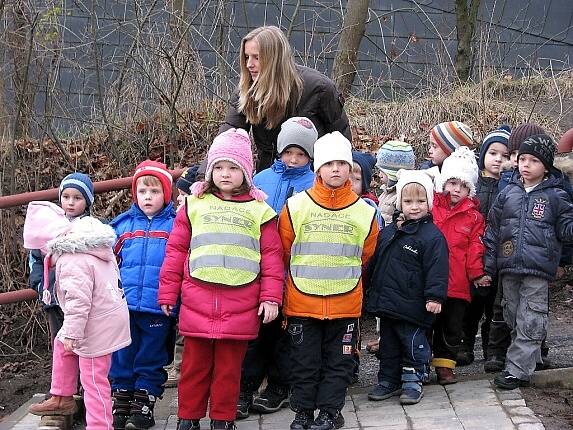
(564, 162)
(86, 235)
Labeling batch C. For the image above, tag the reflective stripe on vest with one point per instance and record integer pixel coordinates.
(326, 254)
(225, 239)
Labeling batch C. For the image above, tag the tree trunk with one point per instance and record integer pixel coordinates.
(466, 16)
(345, 63)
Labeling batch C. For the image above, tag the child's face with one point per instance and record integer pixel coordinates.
(531, 169)
(495, 155)
(513, 158)
(356, 178)
(414, 203)
(149, 197)
(181, 198)
(73, 202)
(436, 153)
(457, 190)
(293, 156)
(334, 173)
(227, 176)
(383, 177)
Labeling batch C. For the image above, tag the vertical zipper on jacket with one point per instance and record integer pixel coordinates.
(524, 206)
(143, 261)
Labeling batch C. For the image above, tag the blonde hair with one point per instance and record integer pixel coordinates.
(149, 181)
(413, 190)
(278, 88)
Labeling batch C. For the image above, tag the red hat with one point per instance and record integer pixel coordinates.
(157, 169)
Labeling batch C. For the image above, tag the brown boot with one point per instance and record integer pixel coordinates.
(446, 376)
(55, 405)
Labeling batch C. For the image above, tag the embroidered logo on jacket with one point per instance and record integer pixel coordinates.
(538, 210)
(412, 250)
(507, 248)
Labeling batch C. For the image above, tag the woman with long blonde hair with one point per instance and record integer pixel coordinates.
(272, 88)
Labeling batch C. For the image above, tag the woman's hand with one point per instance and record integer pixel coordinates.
(269, 310)
(433, 307)
(167, 309)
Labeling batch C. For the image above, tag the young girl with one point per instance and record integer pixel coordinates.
(224, 259)
(96, 319)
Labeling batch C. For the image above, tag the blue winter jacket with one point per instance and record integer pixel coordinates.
(140, 249)
(409, 268)
(280, 182)
(525, 231)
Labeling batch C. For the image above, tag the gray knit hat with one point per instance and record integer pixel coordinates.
(298, 131)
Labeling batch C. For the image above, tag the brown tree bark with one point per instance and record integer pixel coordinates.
(345, 62)
(466, 16)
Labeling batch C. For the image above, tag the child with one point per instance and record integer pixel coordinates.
(408, 278)
(137, 372)
(493, 153)
(327, 233)
(457, 216)
(527, 224)
(225, 262)
(96, 320)
(75, 196)
(267, 355)
(445, 138)
(361, 176)
(392, 156)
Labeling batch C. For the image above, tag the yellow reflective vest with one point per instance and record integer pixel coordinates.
(326, 254)
(225, 239)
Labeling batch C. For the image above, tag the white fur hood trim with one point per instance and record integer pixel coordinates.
(85, 235)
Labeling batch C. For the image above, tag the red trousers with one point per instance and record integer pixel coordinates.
(210, 370)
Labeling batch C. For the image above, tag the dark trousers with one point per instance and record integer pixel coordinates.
(499, 333)
(321, 362)
(210, 374)
(402, 344)
(55, 318)
(448, 332)
(267, 355)
(481, 305)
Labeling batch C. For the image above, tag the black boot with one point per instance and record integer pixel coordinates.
(328, 421)
(302, 420)
(121, 408)
(141, 411)
(244, 404)
(188, 425)
(223, 425)
(273, 398)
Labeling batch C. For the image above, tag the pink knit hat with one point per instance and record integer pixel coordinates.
(44, 221)
(233, 145)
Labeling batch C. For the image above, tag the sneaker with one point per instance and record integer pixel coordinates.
(244, 404)
(328, 421)
(507, 381)
(173, 375)
(121, 408)
(384, 390)
(272, 399)
(223, 425)
(464, 358)
(188, 425)
(446, 376)
(302, 420)
(494, 364)
(412, 390)
(141, 411)
(55, 405)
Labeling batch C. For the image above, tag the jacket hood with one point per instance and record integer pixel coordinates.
(280, 167)
(87, 235)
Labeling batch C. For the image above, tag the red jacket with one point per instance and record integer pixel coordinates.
(210, 310)
(463, 227)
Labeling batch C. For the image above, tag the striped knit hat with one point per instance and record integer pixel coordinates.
(451, 135)
(393, 156)
(80, 182)
(500, 135)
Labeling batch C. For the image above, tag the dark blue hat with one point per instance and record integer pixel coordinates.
(80, 182)
(500, 135)
(366, 162)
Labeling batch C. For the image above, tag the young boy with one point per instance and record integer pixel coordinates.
(493, 154)
(328, 233)
(361, 175)
(267, 356)
(527, 224)
(445, 138)
(408, 278)
(457, 216)
(137, 372)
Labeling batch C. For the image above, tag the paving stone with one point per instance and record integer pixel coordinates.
(511, 403)
(520, 419)
(509, 394)
(528, 426)
(520, 410)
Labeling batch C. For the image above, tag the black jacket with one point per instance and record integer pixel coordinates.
(525, 231)
(486, 191)
(320, 102)
(409, 267)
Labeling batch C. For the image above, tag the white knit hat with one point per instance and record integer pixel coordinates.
(297, 131)
(460, 165)
(421, 177)
(330, 147)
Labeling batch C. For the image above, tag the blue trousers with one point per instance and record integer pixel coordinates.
(139, 366)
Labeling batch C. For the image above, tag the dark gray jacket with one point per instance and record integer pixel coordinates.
(320, 102)
(525, 231)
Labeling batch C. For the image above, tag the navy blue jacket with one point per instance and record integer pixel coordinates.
(525, 231)
(409, 268)
(140, 249)
(280, 182)
(486, 191)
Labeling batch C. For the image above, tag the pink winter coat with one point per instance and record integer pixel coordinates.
(210, 310)
(87, 288)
